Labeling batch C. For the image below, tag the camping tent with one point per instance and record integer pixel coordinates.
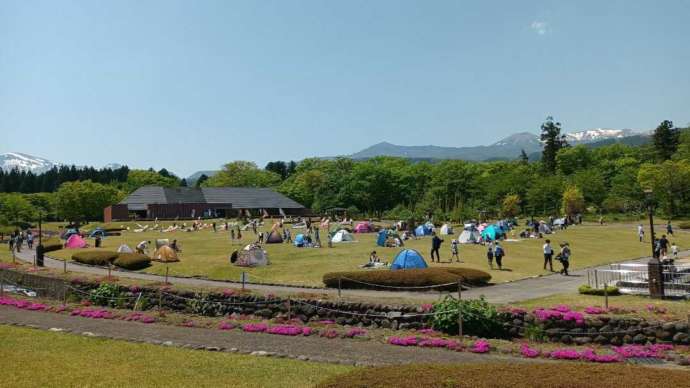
(75, 241)
(492, 232)
(363, 227)
(165, 254)
(252, 256)
(424, 230)
(407, 259)
(559, 221)
(381, 239)
(97, 232)
(124, 248)
(299, 240)
(469, 235)
(160, 242)
(446, 229)
(69, 232)
(544, 228)
(274, 238)
(342, 236)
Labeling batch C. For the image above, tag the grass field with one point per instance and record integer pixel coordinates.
(34, 358)
(206, 253)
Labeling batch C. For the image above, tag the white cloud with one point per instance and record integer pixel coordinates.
(540, 27)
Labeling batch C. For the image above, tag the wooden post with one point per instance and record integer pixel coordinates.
(596, 279)
(606, 297)
(160, 300)
(109, 269)
(34, 261)
(14, 260)
(2, 286)
(459, 308)
(340, 281)
(244, 278)
(167, 269)
(289, 309)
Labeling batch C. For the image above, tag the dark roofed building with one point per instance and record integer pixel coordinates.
(151, 202)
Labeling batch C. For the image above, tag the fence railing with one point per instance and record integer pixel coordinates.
(633, 278)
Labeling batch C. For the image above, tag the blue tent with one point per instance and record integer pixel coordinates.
(299, 240)
(97, 232)
(407, 259)
(424, 230)
(492, 232)
(69, 232)
(381, 239)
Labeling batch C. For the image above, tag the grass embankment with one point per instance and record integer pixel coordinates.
(206, 253)
(643, 306)
(571, 375)
(42, 359)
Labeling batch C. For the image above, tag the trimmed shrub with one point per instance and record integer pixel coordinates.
(587, 290)
(406, 278)
(95, 257)
(51, 244)
(684, 225)
(478, 317)
(132, 261)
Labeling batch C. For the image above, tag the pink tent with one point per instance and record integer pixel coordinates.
(362, 227)
(75, 241)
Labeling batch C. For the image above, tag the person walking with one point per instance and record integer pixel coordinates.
(669, 228)
(640, 232)
(548, 255)
(490, 254)
(499, 253)
(435, 246)
(18, 243)
(663, 246)
(11, 242)
(30, 240)
(674, 250)
(454, 251)
(564, 258)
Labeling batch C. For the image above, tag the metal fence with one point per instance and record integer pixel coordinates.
(633, 278)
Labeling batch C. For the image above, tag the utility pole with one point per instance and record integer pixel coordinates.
(655, 269)
(650, 210)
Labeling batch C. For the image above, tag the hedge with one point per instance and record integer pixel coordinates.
(132, 261)
(684, 225)
(52, 244)
(406, 278)
(95, 257)
(587, 290)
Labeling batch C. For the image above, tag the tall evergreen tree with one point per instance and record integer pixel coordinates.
(552, 141)
(203, 178)
(523, 156)
(666, 140)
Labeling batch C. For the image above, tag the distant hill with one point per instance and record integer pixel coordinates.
(191, 180)
(505, 149)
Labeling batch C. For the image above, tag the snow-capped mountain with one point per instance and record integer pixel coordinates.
(24, 162)
(590, 135)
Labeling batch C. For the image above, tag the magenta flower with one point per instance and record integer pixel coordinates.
(226, 326)
(528, 352)
(480, 346)
(403, 341)
(593, 310)
(355, 332)
(255, 327)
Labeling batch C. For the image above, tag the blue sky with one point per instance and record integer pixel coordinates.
(189, 85)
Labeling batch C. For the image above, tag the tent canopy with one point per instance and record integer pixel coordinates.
(492, 232)
(299, 240)
(544, 228)
(469, 235)
(363, 227)
(124, 248)
(424, 230)
(252, 256)
(165, 254)
(446, 229)
(559, 221)
(274, 238)
(69, 232)
(381, 238)
(75, 241)
(342, 236)
(408, 258)
(97, 232)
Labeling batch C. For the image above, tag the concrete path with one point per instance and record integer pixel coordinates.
(314, 348)
(515, 291)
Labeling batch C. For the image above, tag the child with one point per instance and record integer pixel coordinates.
(373, 258)
(454, 251)
(674, 250)
(498, 254)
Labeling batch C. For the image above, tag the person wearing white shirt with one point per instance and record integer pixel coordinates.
(548, 255)
(640, 232)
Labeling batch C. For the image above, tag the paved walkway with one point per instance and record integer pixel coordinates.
(515, 291)
(314, 348)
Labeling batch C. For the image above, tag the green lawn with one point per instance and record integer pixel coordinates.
(34, 358)
(206, 253)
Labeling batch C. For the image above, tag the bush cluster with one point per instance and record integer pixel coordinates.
(479, 317)
(51, 244)
(684, 225)
(95, 257)
(406, 278)
(132, 261)
(587, 290)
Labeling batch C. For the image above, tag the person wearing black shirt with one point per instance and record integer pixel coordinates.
(435, 246)
(663, 245)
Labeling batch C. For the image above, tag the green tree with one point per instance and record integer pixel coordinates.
(666, 140)
(84, 200)
(14, 208)
(140, 178)
(552, 141)
(670, 183)
(243, 174)
(200, 182)
(572, 159)
(510, 206)
(544, 195)
(573, 201)
(523, 156)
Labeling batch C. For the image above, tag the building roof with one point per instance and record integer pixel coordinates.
(237, 197)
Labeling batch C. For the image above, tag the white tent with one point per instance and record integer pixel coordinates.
(124, 248)
(559, 221)
(544, 228)
(342, 236)
(446, 229)
(252, 256)
(470, 235)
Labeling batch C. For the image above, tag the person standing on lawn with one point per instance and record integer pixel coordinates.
(663, 246)
(669, 228)
(454, 251)
(498, 255)
(564, 258)
(640, 232)
(548, 255)
(490, 254)
(435, 246)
